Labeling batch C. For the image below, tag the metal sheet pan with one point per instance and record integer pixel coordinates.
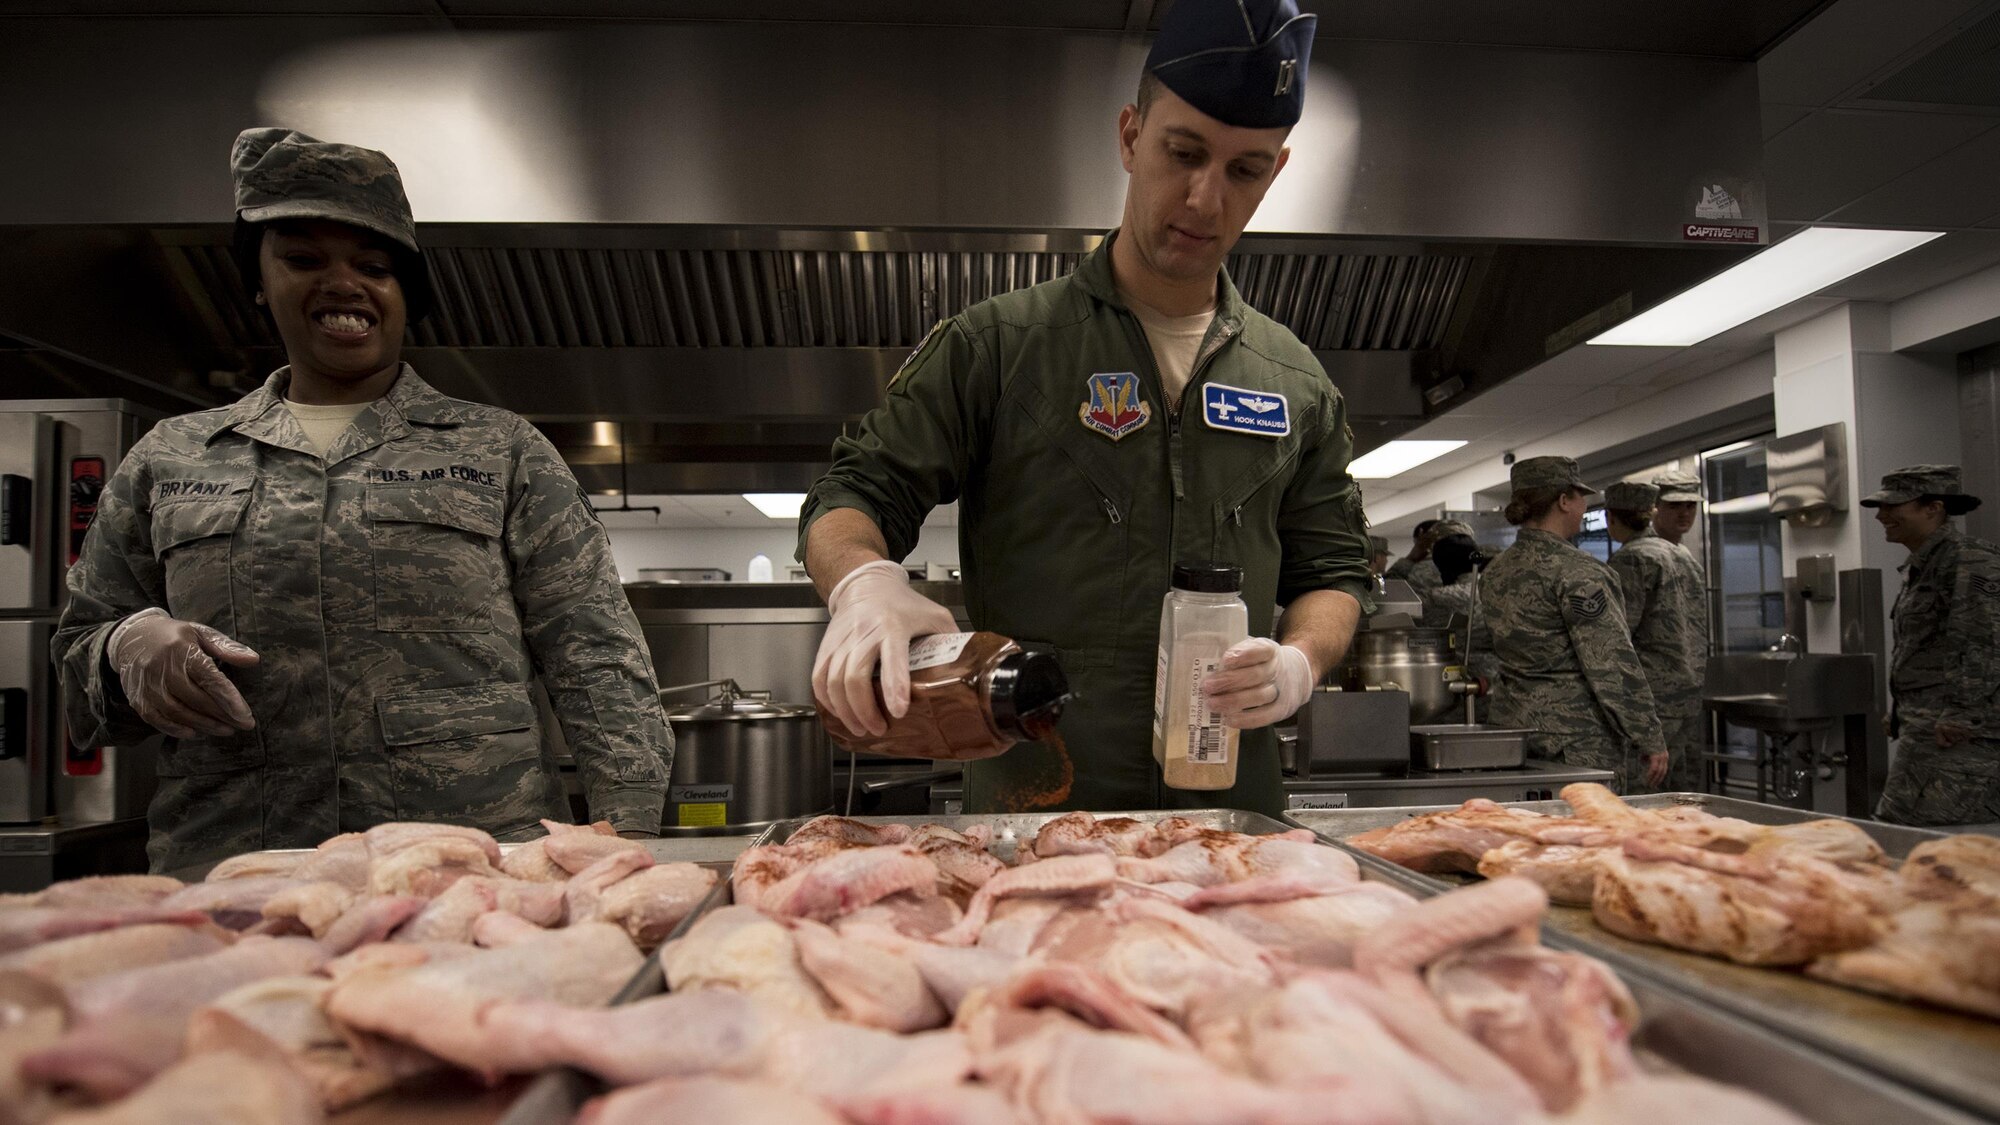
(1949, 1055)
(1677, 1030)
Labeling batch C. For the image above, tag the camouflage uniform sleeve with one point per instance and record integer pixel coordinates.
(1594, 614)
(585, 640)
(1321, 525)
(1399, 569)
(912, 452)
(1424, 577)
(1972, 628)
(115, 576)
(1639, 578)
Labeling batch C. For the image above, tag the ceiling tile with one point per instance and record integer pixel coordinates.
(1954, 189)
(1778, 118)
(1847, 43)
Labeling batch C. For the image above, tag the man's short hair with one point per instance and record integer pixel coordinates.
(1422, 527)
(1149, 91)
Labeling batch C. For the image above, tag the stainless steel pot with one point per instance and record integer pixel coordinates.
(741, 763)
(1411, 659)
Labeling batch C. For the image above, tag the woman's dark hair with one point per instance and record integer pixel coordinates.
(1636, 520)
(246, 244)
(1530, 504)
(1456, 554)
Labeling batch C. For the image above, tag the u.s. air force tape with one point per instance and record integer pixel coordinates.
(1588, 607)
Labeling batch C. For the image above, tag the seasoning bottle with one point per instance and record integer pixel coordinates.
(972, 695)
(1203, 615)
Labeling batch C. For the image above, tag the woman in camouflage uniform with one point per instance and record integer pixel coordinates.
(332, 596)
(1567, 666)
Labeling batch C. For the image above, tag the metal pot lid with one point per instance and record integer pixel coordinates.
(740, 710)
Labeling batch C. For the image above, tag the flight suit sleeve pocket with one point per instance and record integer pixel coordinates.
(419, 717)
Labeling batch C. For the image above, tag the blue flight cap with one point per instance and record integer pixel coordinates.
(1242, 62)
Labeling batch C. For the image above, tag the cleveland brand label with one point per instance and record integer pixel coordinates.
(936, 649)
(683, 794)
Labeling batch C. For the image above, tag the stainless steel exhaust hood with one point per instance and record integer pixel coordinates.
(729, 234)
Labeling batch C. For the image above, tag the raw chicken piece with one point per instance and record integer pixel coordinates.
(1568, 872)
(906, 914)
(740, 948)
(759, 869)
(1068, 1073)
(1945, 950)
(1160, 955)
(126, 1027)
(1765, 907)
(935, 1105)
(496, 929)
(576, 852)
(1393, 953)
(704, 1099)
(100, 891)
(963, 866)
(370, 920)
(1562, 1020)
(1017, 923)
(1954, 865)
(867, 985)
(1599, 805)
(850, 832)
(1677, 1100)
(33, 1015)
(283, 1015)
(215, 1088)
(1456, 840)
(1284, 1036)
(235, 904)
(388, 839)
(22, 929)
(1079, 833)
(1228, 857)
(1317, 927)
(435, 1006)
(70, 960)
(531, 860)
(394, 955)
(428, 866)
(1072, 876)
(340, 859)
(257, 864)
(311, 906)
(449, 916)
(994, 1019)
(848, 880)
(584, 889)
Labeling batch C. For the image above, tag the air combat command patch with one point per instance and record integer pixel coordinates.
(1114, 407)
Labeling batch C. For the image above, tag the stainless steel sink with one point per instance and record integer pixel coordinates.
(1789, 693)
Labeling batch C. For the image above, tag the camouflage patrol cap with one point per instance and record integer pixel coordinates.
(1678, 487)
(1630, 496)
(1547, 472)
(1443, 528)
(1924, 482)
(284, 174)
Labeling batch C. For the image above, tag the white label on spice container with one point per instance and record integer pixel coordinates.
(936, 649)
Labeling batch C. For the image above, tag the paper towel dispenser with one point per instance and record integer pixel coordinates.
(1807, 474)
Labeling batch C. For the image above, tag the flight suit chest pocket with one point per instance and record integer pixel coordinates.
(194, 541)
(437, 556)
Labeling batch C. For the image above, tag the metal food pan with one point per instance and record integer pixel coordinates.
(1951, 1056)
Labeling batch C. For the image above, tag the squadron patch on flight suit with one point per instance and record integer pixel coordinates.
(1114, 407)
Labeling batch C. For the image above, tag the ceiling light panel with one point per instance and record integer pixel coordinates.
(777, 505)
(1398, 457)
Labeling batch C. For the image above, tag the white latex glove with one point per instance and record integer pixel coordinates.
(875, 613)
(169, 672)
(1656, 768)
(1261, 682)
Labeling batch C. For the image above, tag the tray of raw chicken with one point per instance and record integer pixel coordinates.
(1877, 943)
(1203, 968)
(344, 983)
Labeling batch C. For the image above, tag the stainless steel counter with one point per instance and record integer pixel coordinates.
(32, 856)
(1534, 781)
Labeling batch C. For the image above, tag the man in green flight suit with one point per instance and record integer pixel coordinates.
(1099, 428)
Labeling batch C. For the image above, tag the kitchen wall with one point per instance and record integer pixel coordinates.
(731, 548)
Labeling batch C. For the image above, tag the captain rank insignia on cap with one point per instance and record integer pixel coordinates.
(1263, 413)
(1115, 407)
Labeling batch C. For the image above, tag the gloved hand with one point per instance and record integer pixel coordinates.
(1656, 768)
(1260, 683)
(875, 613)
(168, 670)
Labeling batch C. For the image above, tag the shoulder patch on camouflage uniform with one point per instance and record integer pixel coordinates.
(1589, 606)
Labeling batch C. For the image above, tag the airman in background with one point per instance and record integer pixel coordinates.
(1666, 610)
